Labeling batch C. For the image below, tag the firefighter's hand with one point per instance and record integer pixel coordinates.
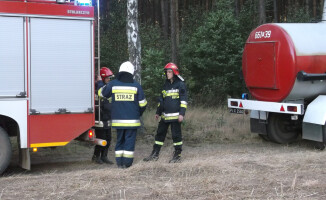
(157, 116)
(180, 118)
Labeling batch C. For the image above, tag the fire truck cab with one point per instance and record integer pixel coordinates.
(46, 74)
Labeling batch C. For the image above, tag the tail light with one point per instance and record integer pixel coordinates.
(91, 134)
(234, 103)
(292, 108)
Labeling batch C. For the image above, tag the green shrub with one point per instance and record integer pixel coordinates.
(297, 14)
(154, 57)
(212, 55)
(152, 74)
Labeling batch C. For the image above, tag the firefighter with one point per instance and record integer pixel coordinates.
(100, 152)
(128, 104)
(172, 108)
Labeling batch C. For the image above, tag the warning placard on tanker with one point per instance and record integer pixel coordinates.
(124, 97)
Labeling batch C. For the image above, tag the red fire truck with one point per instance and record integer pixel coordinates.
(46, 74)
(284, 67)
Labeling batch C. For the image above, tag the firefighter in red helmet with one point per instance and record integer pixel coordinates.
(100, 152)
(172, 108)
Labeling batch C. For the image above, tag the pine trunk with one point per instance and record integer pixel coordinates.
(275, 11)
(236, 8)
(173, 31)
(307, 6)
(177, 24)
(314, 6)
(262, 13)
(165, 18)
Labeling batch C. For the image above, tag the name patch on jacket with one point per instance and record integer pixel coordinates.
(124, 97)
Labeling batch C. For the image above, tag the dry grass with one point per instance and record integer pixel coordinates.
(207, 125)
(232, 165)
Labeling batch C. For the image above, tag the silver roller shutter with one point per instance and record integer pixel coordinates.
(12, 70)
(61, 65)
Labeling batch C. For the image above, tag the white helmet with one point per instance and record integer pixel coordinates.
(127, 67)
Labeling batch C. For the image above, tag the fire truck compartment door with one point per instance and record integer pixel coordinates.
(12, 64)
(61, 65)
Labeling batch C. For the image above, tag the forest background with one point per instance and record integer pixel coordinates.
(206, 40)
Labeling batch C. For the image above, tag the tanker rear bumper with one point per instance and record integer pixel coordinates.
(260, 112)
(286, 108)
(313, 118)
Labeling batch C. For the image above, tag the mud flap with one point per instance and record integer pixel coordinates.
(256, 126)
(258, 122)
(312, 132)
(314, 120)
(24, 159)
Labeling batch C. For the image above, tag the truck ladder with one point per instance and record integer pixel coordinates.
(98, 123)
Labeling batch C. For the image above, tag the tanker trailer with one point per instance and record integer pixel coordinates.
(284, 68)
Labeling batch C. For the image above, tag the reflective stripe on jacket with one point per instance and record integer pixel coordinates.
(128, 101)
(173, 100)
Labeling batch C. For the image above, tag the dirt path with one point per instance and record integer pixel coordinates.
(251, 170)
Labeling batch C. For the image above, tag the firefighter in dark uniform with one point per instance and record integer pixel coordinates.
(128, 104)
(172, 108)
(100, 152)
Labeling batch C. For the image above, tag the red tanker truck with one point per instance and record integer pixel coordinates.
(46, 75)
(284, 68)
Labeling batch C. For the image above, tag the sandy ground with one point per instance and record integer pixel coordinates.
(254, 169)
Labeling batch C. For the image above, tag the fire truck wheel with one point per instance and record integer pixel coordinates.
(281, 129)
(5, 150)
(264, 137)
(320, 145)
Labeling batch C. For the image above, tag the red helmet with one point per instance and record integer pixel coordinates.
(173, 67)
(105, 72)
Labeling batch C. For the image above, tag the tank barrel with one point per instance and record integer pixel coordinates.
(303, 76)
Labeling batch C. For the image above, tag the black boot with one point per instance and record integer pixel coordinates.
(153, 157)
(97, 159)
(106, 160)
(104, 156)
(176, 157)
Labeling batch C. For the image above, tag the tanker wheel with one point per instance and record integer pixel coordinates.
(281, 129)
(5, 150)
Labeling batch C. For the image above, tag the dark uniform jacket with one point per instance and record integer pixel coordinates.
(128, 102)
(105, 104)
(173, 100)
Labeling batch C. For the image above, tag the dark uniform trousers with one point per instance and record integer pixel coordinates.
(125, 147)
(103, 133)
(162, 131)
